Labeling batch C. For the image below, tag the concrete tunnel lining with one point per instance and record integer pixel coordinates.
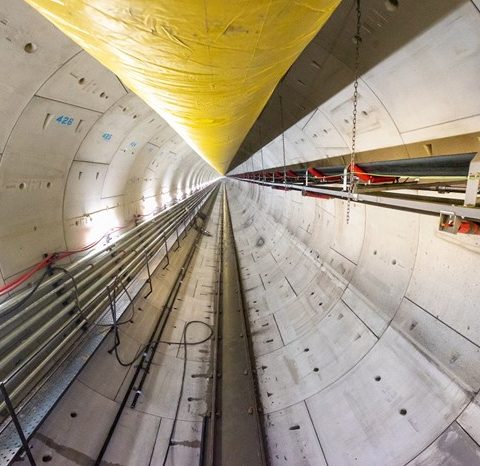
(375, 321)
(366, 336)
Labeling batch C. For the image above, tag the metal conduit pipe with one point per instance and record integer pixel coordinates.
(71, 338)
(107, 250)
(77, 328)
(154, 340)
(112, 272)
(13, 336)
(151, 244)
(100, 306)
(111, 257)
(131, 269)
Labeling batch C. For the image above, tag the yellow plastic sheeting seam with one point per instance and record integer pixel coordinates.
(208, 67)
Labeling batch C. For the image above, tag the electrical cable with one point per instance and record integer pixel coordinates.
(130, 319)
(191, 343)
(75, 287)
(390, 175)
(52, 258)
(27, 297)
(24, 277)
(116, 324)
(185, 344)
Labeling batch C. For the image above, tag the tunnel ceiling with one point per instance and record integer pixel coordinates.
(208, 69)
(325, 66)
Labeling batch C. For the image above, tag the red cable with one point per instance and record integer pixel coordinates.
(50, 259)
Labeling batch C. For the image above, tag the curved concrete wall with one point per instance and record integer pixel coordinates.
(366, 335)
(79, 153)
(421, 92)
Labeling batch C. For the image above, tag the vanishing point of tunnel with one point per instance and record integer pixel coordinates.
(240, 232)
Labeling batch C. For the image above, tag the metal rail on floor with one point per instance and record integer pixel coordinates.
(235, 429)
(209, 421)
(45, 341)
(140, 375)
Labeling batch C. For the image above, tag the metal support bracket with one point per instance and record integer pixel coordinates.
(473, 182)
(178, 240)
(149, 280)
(16, 422)
(166, 253)
(449, 222)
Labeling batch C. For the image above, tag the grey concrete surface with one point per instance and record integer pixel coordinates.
(76, 429)
(366, 336)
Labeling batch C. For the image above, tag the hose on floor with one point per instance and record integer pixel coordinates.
(185, 344)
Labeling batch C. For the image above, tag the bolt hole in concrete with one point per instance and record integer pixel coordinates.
(49, 184)
(375, 252)
(315, 369)
(394, 262)
(73, 414)
(21, 186)
(306, 350)
(295, 427)
(30, 47)
(81, 80)
(391, 5)
(378, 378)
(46, 458)
(403, 412)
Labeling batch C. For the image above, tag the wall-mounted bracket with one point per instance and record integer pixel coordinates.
(473, 182)
(449, 222)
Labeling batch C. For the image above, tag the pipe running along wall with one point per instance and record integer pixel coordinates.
(366, 335)
(80, 156)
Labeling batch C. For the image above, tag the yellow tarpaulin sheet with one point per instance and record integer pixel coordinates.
(208, 67)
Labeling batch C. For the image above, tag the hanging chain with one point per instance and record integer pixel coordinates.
(283, 142)
(358, 40)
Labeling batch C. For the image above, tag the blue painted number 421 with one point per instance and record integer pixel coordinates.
(64, 120)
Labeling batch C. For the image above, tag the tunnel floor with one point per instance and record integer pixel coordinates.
(76, 429)
(295, 364)
(193, 407)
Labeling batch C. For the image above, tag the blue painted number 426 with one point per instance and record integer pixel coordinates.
(64, 120)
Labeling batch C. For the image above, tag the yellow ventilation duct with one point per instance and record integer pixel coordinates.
(208, 67)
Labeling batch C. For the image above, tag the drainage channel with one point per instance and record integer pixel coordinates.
(187, 394)
(139, 379)
(235, 431)
(122, 267)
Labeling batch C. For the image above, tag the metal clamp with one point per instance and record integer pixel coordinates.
(449, 222)
(473, 182)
